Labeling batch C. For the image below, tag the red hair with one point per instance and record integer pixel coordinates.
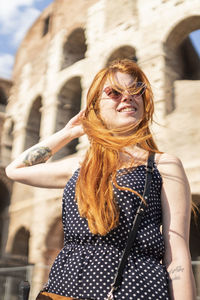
(94, 189)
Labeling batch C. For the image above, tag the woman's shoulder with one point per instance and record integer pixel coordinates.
(164, 157)
(168, 163)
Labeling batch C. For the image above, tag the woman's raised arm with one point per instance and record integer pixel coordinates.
(29, 167)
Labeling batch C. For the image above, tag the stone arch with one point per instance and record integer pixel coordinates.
(54, 243)
(181, 29)
(20, 246)
(4, 204)
(69, 103)
(125, 51)
(33, 124)
(181, 59)
(74, 48)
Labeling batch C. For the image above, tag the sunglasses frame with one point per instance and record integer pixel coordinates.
(117, 95)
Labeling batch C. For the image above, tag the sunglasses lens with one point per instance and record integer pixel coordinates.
(137, 89)
(112, 93)
(140, 88)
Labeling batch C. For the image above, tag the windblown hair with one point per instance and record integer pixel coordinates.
(94, 189)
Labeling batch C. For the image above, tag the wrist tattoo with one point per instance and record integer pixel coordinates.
(37, 156)
(175, 274)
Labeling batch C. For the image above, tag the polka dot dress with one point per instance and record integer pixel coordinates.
(86, 266)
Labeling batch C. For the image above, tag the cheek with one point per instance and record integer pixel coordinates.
(102, 111)
(104, 114)
(106, 107)
(141, 105)
(107, 114)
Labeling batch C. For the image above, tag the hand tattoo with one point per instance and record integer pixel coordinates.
(37, 156)
(175, 273)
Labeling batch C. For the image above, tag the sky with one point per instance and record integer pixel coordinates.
(16, 17)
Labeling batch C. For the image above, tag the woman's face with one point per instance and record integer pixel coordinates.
(118, 110)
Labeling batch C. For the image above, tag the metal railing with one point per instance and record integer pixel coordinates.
(10, 279)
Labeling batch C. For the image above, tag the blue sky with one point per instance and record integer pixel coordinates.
(16, 16)
(195, 37)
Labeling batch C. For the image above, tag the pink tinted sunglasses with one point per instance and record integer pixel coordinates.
(116, 95)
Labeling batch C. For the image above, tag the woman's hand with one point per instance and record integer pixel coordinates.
(74, 125)
(30, 167)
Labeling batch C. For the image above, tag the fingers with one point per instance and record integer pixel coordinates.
(81, 114)
(77, 118)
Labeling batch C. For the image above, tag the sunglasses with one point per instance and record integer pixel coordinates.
(136, 90)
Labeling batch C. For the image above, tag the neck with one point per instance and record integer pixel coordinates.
(133, 156)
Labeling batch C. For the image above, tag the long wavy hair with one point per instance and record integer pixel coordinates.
(94, 189)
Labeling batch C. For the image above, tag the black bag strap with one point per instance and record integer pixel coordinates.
(132, 235)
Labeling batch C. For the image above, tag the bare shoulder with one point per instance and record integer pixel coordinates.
(166, 158)
(173, 174)
(169, 164)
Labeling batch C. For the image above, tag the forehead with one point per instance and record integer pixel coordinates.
(122, 79)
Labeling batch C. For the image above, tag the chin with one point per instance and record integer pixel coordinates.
(124, 129)
(126, 124)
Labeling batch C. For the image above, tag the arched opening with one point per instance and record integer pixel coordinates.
(69, 103)
(122, 52)
(20, 246)
(33, 124)
(3, 100)
(46, 25)
(181, 58)
(74, 48)
(190, 67)
(195, 243)
(3, 97)
(54, 243)
(4, 221)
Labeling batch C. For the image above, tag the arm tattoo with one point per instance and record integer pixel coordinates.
(175, 274)
(37, 156)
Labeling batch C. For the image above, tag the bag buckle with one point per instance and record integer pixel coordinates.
(110, 295)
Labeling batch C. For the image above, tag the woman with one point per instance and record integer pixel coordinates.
(101, 198)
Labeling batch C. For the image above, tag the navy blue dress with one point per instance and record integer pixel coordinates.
(86, 265)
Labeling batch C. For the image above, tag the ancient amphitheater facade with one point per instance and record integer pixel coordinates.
(54, 66)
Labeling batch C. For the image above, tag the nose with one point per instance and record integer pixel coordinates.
(126, 97)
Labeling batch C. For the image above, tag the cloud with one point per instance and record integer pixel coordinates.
(17, 22)
(16, 17)
(8, 8)
(6, 64)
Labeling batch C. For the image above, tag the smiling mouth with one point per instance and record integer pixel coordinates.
(128, 109)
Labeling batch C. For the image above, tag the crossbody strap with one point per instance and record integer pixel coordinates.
(132, 235)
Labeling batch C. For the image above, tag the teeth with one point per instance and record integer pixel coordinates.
(128, 109)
